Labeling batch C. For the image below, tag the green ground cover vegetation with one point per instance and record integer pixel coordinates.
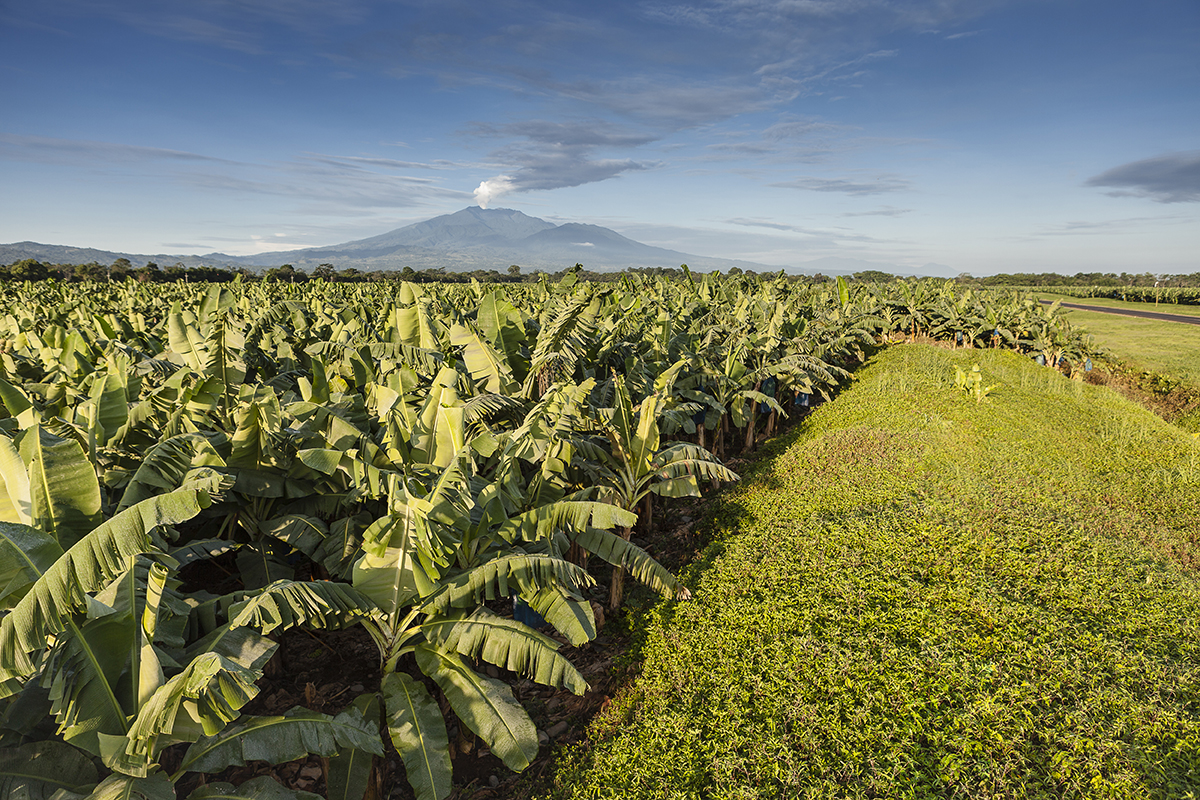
(927, 595)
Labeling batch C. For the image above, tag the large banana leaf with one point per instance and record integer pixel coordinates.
(25, 554)
(83, 670)
(16, 503)
(19, 405)
(257, 419)
(566, 611)
(222, 359)
(500, 577)
(185, 339)
(485, 705)
(60, 592)
(567, 514)
(418, 732)
(678, 467)
(125, 787)
(64, 493)
(101, 670)
(276, 740)
(261, 788)
(487, 365)
(36, 770)
(440, 433)
(110, 404)
(350, 770)
(506, 643)
(501, 322)
(624, 553)
(285, 604)
(387, 573)
(200, 700)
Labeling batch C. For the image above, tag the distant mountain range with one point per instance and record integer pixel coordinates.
(474, 238)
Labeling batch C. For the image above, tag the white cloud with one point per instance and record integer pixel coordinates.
(491, 189)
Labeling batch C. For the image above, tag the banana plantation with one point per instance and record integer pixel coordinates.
(426, 464)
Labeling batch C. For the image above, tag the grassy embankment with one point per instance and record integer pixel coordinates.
(925, 596)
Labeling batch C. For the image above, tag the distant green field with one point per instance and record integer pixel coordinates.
(1166, 308)
(925, 596)
(1172, 348)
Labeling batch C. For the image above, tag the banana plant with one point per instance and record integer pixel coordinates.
(91, 636)
(430, 567)
(636, 464)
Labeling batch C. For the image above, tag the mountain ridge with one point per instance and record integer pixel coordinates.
(469, 239)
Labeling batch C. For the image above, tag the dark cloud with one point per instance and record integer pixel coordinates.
(879, 185)
(551, 168)
(556, 155)
(1170, 178)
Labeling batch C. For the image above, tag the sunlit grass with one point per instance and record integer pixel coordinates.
(922, 595)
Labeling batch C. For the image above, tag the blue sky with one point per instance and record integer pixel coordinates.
(986, 135)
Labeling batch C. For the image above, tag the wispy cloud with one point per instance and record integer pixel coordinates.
(791, 139)
(834, 234)
(352, 181)
(79, 152)
(1169, 178)
(886, 211)
(1107, 227)
(879, 184)
(579, 133)
(763, 223)
(242, 26)
(672, 104)
(364, 162)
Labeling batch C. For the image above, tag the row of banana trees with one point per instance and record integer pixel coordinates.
(1138, 294)
(980, 318)
(406, 459)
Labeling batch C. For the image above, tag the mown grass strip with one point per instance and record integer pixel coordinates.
(1166, 307)
(925, 596)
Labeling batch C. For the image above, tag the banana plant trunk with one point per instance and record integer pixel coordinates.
(700, 435)
(719, 445)
(577, 555)
(752, 421)
(616, 587)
